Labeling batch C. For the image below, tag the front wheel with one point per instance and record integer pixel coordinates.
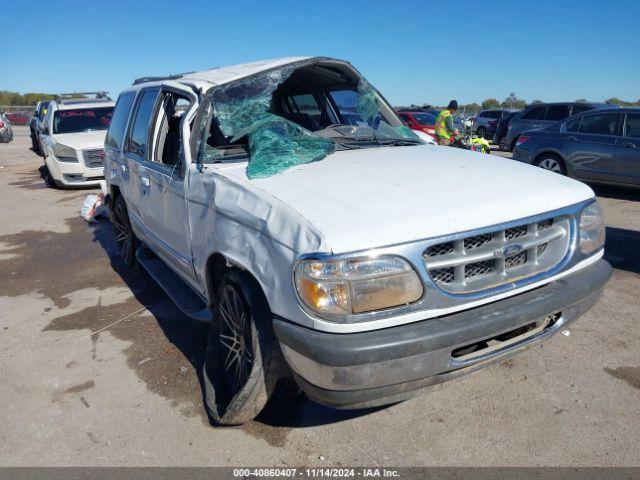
(243, 360)
(481, 132)
(552, 163)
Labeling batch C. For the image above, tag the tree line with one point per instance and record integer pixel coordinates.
(514, 102)
(8, 98)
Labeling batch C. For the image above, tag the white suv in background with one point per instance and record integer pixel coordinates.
(72, 139)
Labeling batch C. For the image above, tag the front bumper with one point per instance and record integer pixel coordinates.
(384, 366)
(74, 174)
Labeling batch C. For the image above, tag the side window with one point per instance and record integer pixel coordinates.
(494, 114)
(483, 114)
(599, 124)
(168, 140)
(557, 112)
(139, 131)
(579, 109)
(46, 121)
(119, 120)
(632, 125)
(572, 125)
(534, 114)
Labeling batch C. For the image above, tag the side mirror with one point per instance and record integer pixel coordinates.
(44, 130)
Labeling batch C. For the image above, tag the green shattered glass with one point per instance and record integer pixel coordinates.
(367, 105)
(277, 144)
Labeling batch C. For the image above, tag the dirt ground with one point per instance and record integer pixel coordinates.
(131, 393)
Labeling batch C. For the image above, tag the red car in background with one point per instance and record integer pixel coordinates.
(419, 120)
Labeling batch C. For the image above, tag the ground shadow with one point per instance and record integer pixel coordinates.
(622, 249)
(187, 335)
(618, 193)
(190, 337)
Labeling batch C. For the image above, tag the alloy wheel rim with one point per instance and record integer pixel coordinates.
(550, 164)
(124, 235)
(235, 338)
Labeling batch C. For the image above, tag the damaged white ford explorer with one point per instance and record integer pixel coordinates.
(285, 202)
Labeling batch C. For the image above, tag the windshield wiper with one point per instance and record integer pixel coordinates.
(397, 142)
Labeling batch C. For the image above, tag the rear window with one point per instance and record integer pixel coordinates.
(82, 120)
(599, 124)
(580, 108)
(534, 114)
(119, 120)
(557, 112)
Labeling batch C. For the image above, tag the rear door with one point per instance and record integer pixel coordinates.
(115, 164)
(591, 150)
(135, 173)
(627, 162)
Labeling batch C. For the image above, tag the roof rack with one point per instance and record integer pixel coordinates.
(82, 96)
(140, 80)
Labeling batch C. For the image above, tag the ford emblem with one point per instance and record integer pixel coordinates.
(509, 250)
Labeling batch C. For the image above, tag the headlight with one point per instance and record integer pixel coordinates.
(64, 153)
(592, 231)
(356, 285)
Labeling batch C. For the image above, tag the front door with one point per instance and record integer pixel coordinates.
(627, 168)
(166, 217)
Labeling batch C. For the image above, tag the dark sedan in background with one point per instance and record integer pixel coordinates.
(501, 131)
(600, 146)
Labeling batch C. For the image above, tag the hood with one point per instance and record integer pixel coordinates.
(82, 140)
(375, 197)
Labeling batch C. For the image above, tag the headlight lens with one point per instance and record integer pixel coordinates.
(357, 285)
(64, 153)
(592, 230)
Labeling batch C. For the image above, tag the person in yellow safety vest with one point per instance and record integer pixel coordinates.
(444, 124)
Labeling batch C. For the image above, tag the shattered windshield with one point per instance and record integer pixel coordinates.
(297, 114)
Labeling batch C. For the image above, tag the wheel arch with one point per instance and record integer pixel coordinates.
(217, 265)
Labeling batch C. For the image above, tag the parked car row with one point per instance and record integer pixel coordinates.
(598, 145)
(486, 121)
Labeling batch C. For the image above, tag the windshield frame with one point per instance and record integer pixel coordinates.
(207, 120)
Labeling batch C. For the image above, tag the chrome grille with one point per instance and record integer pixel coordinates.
(93, 158)
(477, 241)
(477, 262)
(440, 249)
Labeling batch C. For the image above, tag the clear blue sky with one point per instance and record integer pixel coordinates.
(413, 52)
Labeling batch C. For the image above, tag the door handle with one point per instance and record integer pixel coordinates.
(629, 145)
(571, 138)
(145, 181)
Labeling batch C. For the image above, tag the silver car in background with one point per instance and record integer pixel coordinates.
(6, 133)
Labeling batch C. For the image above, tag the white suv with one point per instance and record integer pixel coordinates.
(72, 139)
(286, 202)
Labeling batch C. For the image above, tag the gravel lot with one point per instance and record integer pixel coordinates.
(131, 394)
